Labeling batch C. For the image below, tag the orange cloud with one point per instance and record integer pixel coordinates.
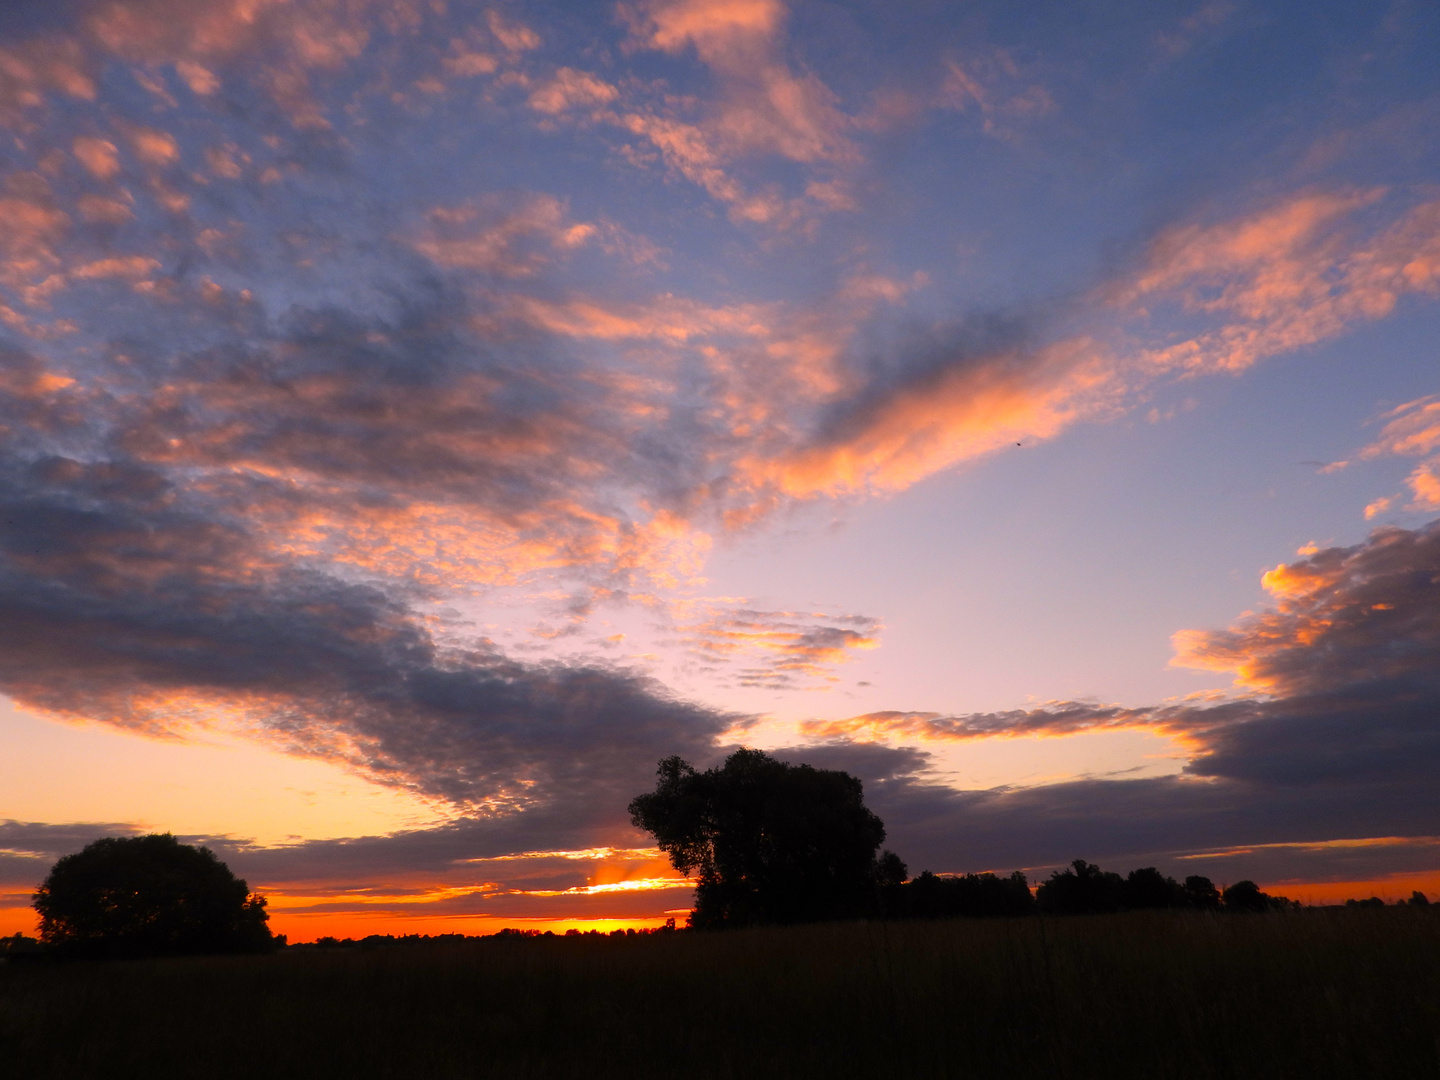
(765, 105)
(1337, 617)
(1411, 430)
(97, 155)
(781, 649)
(282, 41)
(514, 36)
(957, 414)
(498, 236)
(1056, 718)
(96, 208)
(33, 225)
(154, 147)
(1283, 278)
(571, 89)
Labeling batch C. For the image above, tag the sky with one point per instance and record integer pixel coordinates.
(420, 417)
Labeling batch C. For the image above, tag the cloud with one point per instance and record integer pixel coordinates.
(1202, 23)
(1345, 618)
(1129, 823)
(139, 613)
(272, 397)
(97, 155)
(34, 227)
(150, 581)
(1288, 276)
(782, 649)
(27, 849)
(994, 86)
(764, 105)
(1056, 718)
(283, 43)
(512, 35)
(1337, 736)
(1274, 281)
(491, 236)
(571, 89)
(959, 409)
(1411, 430)
(1339, 674)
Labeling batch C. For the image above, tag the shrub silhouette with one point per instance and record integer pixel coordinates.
(930, 896)
(1246, 896)
(1201, 893)
(1148, 888)
(148, 896)
(768, 842)
(1084, 889)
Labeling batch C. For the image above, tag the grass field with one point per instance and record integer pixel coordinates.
(1320, 993)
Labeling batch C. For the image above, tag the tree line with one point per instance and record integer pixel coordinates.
(773, 843)
(767, 843)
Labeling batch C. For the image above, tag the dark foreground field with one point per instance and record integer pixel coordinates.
(1309, 994)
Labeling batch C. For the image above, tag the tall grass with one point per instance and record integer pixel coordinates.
(1311, 994)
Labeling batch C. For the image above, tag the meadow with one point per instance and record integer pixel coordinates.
(1314, 993)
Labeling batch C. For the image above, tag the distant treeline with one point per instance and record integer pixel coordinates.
(507, 934)
(1080, 889)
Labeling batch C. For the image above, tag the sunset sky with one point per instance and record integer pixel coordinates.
(419, 417)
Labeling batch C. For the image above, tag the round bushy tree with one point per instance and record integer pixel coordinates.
(769, 842)
(148, 896)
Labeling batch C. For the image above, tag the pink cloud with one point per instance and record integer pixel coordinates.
(513, 237)
(1411, 430)
(571, 89)
(775, 650)
(993, 86)
(953, 415)
(99, 156)
(764, 106)
(1285, 277)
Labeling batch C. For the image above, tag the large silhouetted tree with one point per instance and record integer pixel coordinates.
(767, 842)
(148, 896)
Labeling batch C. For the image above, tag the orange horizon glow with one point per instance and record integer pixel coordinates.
(300, 928)
(303, 927)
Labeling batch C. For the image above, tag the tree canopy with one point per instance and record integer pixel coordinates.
(767, 841)
(146, 896)
(1084, 889)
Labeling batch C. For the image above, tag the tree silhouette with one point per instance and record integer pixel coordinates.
(1148, 888)
(768, 842)
(1246, 896)
(1200, 892)
(1084, 889)
(930, 896)
(148, 896)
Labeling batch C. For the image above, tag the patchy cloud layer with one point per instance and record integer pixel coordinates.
(773, 650)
